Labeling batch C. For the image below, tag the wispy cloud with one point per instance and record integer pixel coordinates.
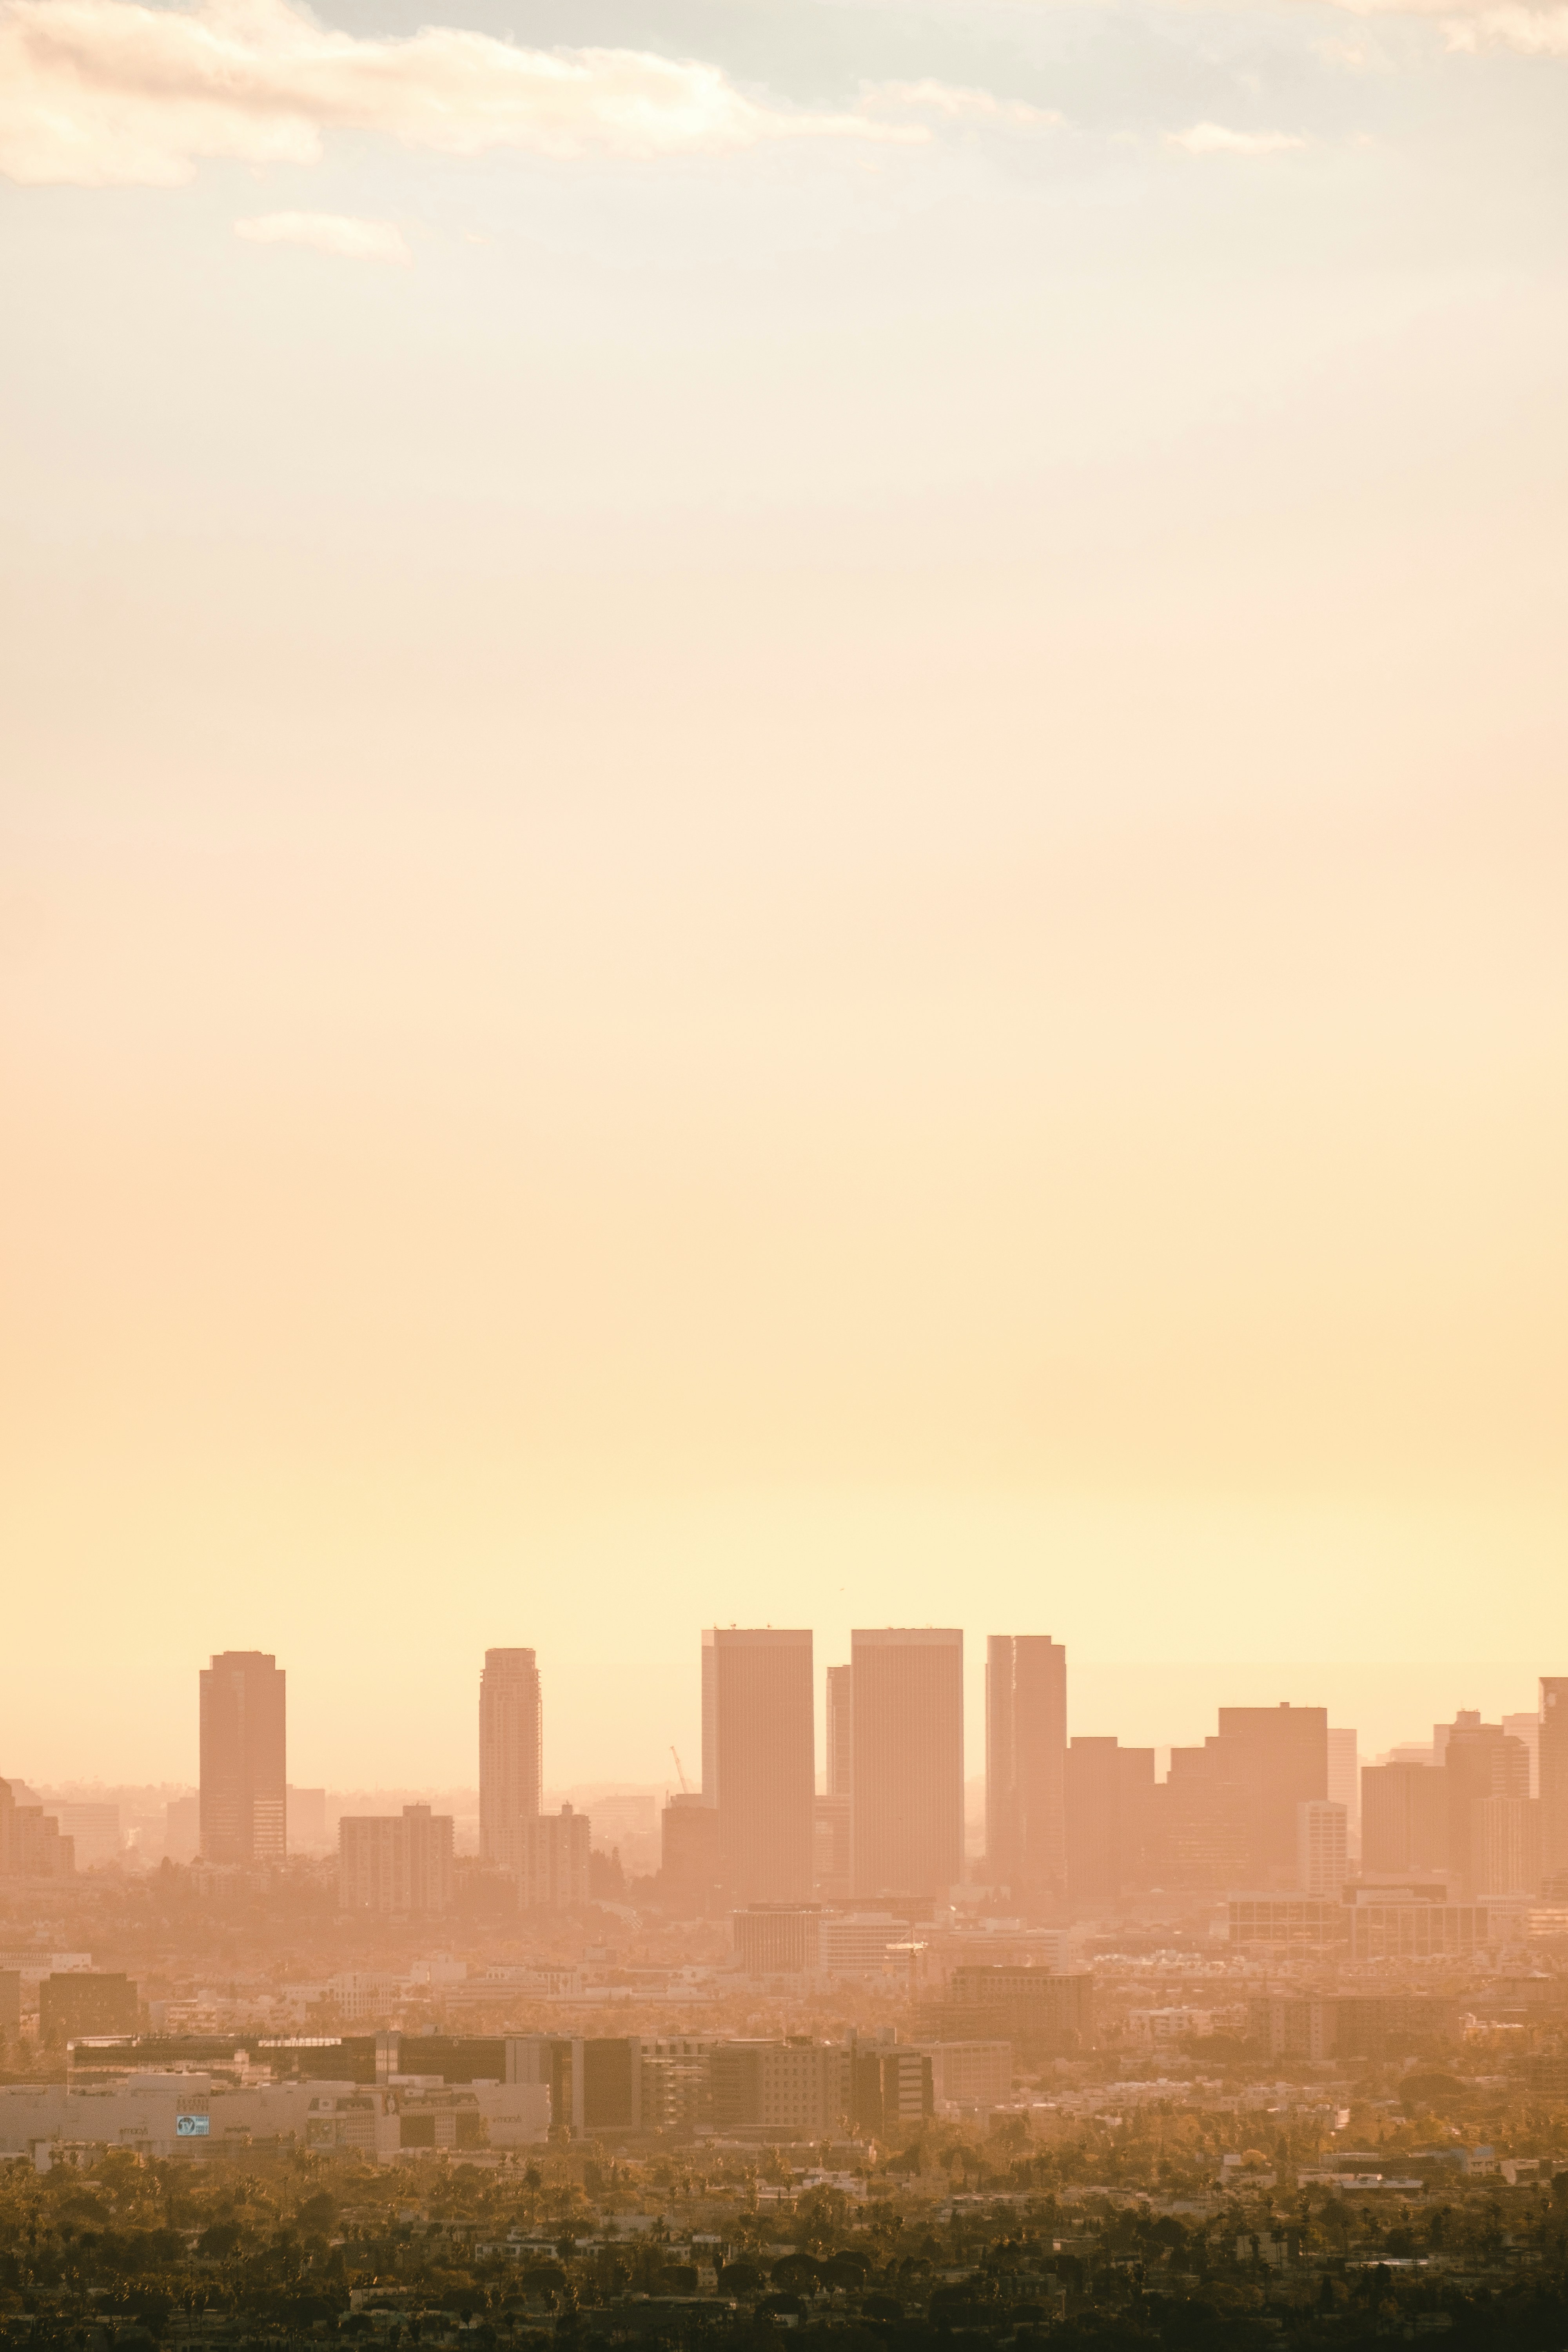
(335, 232)
(98, 92)
(1528, 32)
(1214, 139)
(955, 103)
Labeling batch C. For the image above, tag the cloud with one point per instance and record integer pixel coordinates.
(350, 240)
(958, 104)
(1528, 32)
(1214, 139)
(104, 92)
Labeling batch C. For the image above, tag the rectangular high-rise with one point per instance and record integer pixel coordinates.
(1320, 1863)
(1025, 1765)
(397, 1863)
(840, 1731)
(1404, 1819)
(907, 1797)
(511, 1754)
(1110, 1793)
(1551, 1759)
(244, 1773)
(758, 1759)
(1277, 1756)
(1481, 1761)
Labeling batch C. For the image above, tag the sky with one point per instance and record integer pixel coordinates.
(781, 840)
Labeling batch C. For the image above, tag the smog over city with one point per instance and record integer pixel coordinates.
(783, 1137)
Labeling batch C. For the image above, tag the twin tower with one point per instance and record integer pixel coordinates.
(892, 1819)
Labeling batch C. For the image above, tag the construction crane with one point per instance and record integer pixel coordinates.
(680, 1775)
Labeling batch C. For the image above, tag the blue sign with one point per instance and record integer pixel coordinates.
(191, 2126)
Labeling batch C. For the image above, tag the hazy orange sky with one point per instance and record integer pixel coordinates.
(784, 839)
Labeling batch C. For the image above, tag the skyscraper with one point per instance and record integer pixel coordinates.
(1404, 1819)
(908, 1795)
(244, 1775)
(1479, 1761)
(1320, 1863)
(1345, 1781)
(511, 1754)
(758, 1759)
(834, 1866)
(1025, 1764)
(1551, 1753)
(1278, 1757)
(840, 1731)
(1109, 1808)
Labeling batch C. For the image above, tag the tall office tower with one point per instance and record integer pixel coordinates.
(907, 1798)
(1320, 1827)
(1554, 1757)
(1505, 1840)
(840, 1731)
(511, 1754)
(1202, 1822)
(1403, 1820)
(1479, 1761)
(689, 1854)
(1528, 1728)
(1108, 1799)
(1279, 1758)
(833, 1869)
(758, 1759)
(1345, 1782)
(244, 1777)
(1025, 1764)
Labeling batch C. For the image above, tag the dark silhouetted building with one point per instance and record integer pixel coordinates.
(83, 2002)
(595, 2085)
(1403, 1820)
(759, 1759)
(1025, 1764)
(244, 1776)
(890, 2085)
(394, 1863)
(907, 1797)
(511, 1754)
(552, 1873)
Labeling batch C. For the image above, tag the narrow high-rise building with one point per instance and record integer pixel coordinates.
(1553, 1765)
(511, 1754)
(1277, 1756)
(1320, 1865)
(1345, 1782)
(1109, 1794)
(758, 1759)
(244, 1772)
(907, 1802)
(1479, 1761)
(1025, 1764)
(840, 1731)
